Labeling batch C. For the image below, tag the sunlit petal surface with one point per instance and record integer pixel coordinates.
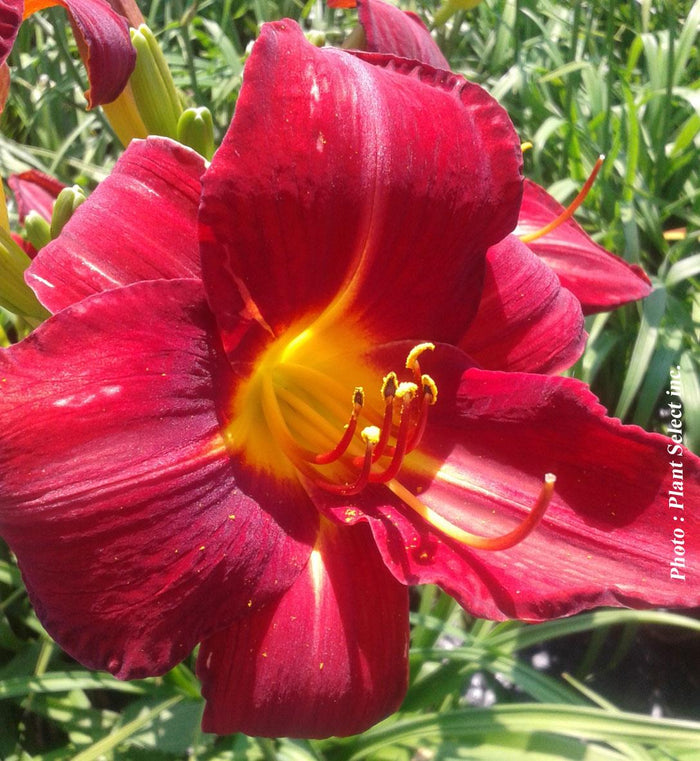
(131, 522)
(139, 224)
(361, 199)
(324, 656)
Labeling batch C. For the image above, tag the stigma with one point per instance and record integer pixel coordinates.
(569, 211)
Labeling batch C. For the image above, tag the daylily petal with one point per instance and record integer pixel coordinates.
(390, 30)
(10, 22)
(34, 191)
(526, 320)
(329, 658)
(606, 539)
(136, 533)
(129, 10)
(420, 204)
(139, 224)
(25, 245)
(599, 280)
(103, 39)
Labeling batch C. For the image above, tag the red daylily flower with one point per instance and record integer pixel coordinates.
(599, 279)
(102, 36)
(187, 454)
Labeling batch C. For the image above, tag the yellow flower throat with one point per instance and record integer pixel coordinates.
(307, 413)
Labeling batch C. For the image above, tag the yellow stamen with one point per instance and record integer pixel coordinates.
(473, 540)
(570, 209)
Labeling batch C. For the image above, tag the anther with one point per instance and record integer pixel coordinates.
(570, 209)
(389, 385)
(412, 359)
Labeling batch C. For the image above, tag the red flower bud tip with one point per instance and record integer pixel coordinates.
(570, 209)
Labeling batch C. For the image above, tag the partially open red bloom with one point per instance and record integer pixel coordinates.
(251, 427)
(102, 36)
(34, 191)
(599, 279)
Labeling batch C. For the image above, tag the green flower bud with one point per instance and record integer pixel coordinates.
(67, 202)
(449, 7)
(37, 229)
(153, 87)
(196, 129)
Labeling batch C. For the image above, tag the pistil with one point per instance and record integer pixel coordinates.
(468, 539)
(570, 209)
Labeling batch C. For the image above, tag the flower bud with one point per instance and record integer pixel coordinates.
(67, 202)
(124, 117)
(196, 129)
(37, 229)
(449, 7)
(153, 87)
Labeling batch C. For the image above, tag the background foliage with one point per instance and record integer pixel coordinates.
(579, 79)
